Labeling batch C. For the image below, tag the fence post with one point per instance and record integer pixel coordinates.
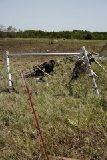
(10, 85)
(89, 69)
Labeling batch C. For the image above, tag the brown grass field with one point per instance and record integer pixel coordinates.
(72, 118)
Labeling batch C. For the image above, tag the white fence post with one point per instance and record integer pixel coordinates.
(10, 86)
(89, 69)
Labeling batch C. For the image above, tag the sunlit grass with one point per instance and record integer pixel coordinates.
(73, 119)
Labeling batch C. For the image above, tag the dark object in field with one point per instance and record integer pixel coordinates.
(42, 70)
(81, 67)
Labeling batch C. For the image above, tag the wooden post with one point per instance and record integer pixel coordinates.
(10, 86)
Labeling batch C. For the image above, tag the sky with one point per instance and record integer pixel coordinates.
(54, 15)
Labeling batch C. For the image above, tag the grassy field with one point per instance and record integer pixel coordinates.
(73, 119)
(42, 45)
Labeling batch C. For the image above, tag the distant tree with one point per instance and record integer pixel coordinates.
(11, 29)
(3, 34)
(88, 35)
(12, 32)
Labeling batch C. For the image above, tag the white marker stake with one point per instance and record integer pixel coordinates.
(10, 87)
(90, 71)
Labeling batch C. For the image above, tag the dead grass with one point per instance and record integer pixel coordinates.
(73, 119)
(42, 45)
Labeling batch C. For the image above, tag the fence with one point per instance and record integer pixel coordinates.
(8, 56)
(83, 54)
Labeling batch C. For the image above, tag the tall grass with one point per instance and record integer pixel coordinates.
(73, 119)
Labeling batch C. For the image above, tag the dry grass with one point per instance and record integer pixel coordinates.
(42, 45)
(73, 119)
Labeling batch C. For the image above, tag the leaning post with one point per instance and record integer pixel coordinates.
(10, 86)
(89, 69)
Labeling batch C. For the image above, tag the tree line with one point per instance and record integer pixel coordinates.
(12, 32)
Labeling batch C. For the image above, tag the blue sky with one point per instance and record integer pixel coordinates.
(54, 15)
